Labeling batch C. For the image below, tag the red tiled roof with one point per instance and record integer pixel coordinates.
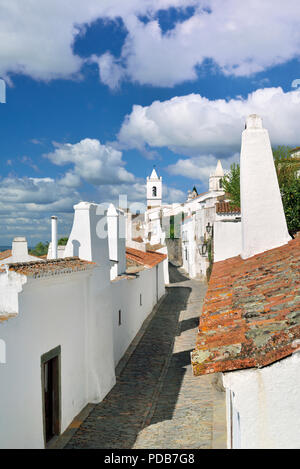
(7, 316)
(148, 259)
(224, 207)
(295, 149)
(139, 239)
(251, 313)
(5, 254)
(50, 267)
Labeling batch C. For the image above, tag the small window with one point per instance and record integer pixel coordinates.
(154, 191)
(120, 317)
(140, 299)
(220, 184)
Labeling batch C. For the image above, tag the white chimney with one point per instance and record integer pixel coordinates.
(263, 221)
(116, 241)
(19, 249)
(88, 237)
(53, 237)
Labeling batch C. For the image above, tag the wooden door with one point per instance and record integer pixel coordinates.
(51, 396)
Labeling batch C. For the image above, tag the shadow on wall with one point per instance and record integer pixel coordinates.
(174, 251)
(76, 246)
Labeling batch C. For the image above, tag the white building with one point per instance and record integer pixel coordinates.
(65, 324)
(197, 226)
(250, 324)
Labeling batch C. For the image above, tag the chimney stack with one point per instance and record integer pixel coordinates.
(53, 237)
(116, 241)
(263, 221)
(20, 249)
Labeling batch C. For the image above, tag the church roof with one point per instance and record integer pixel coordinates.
(219, 169)
(154, 175)
(251, 312)
(5, 254)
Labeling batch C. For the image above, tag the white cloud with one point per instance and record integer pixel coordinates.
(200, 167)
(93, 162)
(35, 194)
(111, 73)
(193, 124)
(26, 205)
(241, 38)
(37, 38)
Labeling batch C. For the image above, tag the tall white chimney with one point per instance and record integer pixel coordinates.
(116, 241)
(53, 237)
(263, 221)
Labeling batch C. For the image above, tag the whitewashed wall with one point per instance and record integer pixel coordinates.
(79, 312)
(227, 240)
(266, 405)
(52, 312)
(126, 294)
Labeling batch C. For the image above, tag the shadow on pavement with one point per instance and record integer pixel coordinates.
(172, 384)
(190, 323)
(175, 276)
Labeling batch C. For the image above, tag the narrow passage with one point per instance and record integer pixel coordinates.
(157, 402)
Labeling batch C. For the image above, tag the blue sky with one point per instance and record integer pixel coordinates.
(100, 91)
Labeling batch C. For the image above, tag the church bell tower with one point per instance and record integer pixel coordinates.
(154, 190)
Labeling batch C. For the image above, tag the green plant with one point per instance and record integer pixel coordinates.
(231, 185)
(62, 241)
(41, 249)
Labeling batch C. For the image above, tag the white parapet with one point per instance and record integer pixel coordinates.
(263, 221)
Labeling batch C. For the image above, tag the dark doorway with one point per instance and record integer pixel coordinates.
(156, 283)
(51, 393)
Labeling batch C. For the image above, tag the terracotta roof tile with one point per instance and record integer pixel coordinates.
(50, 267)
(148, 259)
(139, 239)
(224, 207)
(251, 313)
(5, 254)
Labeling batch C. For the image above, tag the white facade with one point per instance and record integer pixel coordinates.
(263, 406)
(227, 239)
(78, 312)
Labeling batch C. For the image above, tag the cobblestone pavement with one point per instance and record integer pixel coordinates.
(157, 402)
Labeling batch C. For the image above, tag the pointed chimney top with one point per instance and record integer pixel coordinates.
(254, 122)
(263, 220)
